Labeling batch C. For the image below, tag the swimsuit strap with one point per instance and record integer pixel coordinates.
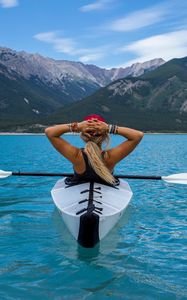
(85, 157)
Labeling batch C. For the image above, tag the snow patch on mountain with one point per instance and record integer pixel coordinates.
(26, 100)
(35, 111)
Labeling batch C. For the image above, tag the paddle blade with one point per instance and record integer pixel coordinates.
(4, 174)
(176, 178)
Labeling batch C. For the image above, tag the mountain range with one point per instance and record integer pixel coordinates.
(156, 100)
(33, 86)
(36, 91)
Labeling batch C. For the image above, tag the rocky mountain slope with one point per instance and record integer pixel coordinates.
(33, 86)
(52, 71)
(154, 101)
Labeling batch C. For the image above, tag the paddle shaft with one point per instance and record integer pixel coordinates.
(69, 175)
(41, 174)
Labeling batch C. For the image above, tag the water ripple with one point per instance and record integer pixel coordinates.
(144, 256)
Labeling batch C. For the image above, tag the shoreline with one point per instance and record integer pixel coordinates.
(29, 133)
(20, 133)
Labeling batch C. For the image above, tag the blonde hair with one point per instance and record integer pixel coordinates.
(95, 158)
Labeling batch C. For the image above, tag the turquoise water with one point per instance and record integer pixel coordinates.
(144, 257)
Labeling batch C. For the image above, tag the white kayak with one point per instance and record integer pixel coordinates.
(90, 210)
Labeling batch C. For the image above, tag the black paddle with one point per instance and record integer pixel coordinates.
(180, 178)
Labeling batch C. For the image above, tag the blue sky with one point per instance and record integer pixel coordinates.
(107, 33)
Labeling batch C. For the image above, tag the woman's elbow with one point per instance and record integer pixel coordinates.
(48, 131)
(139, 136)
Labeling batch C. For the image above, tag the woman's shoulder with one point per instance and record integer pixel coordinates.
(107, 160)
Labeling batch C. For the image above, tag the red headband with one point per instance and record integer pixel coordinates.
(90, 117)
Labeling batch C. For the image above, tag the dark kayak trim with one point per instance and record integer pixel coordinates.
(88, 235)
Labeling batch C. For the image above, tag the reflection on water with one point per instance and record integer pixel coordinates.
(109, 243)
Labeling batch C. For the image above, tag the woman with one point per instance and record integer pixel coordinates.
(91, 163)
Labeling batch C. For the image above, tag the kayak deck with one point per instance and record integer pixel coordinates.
(90, 210)
(69, 199)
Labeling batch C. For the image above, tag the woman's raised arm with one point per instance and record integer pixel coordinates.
(61, 145)
(122, 150)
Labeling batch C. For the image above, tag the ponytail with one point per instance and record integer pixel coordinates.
(94, 156)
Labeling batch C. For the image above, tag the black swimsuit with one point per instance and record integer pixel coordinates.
(88, 175)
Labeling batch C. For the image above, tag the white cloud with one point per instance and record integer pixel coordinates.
(8, 3)
(91, 57)
(65, 45)
(167, 46)
(69, 47)
(97, 5)
(139, 19)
